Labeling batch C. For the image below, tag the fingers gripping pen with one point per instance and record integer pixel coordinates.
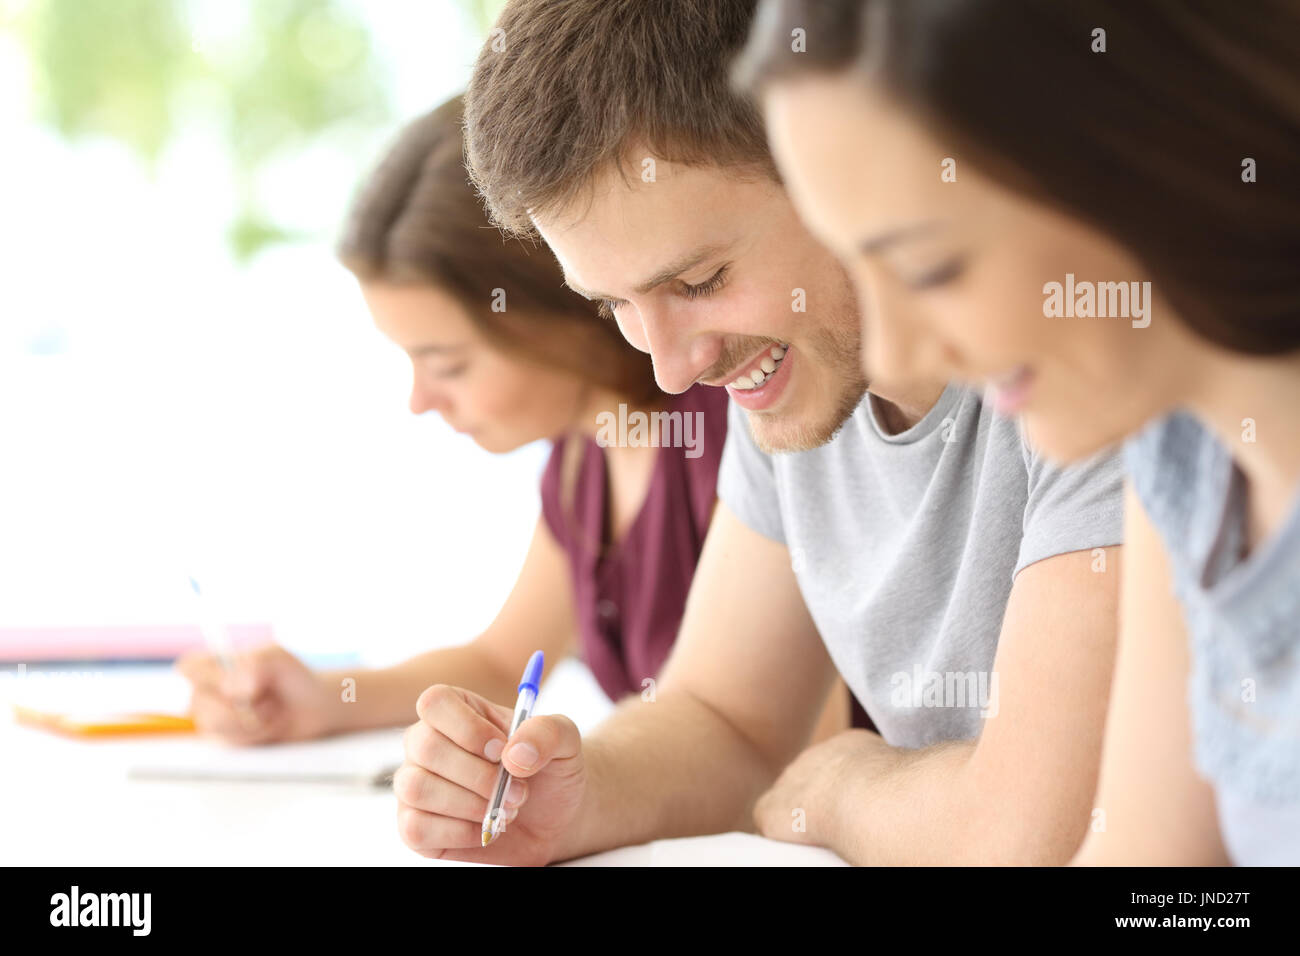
(494, 820)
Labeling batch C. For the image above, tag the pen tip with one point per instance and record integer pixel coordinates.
(487, 837)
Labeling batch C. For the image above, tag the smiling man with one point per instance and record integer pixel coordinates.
(904, 536)
(782, 325)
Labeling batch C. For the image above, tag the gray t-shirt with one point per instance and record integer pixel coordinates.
(1243, 626)
(905, 547)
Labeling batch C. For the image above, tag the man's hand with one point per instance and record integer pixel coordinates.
(452, 758)
(1018, 794)
(806, 803)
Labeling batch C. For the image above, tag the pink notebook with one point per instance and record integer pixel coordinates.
(117, 642)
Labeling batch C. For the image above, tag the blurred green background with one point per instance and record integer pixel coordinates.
(272, 76)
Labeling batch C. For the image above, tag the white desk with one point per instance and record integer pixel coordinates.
(68, 802)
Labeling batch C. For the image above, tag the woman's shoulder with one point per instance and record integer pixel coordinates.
(1177, 468)
(695, 465)
(569, 478)
(711, 404)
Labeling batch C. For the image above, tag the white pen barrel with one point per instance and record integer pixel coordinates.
(523, 708)
(492, 823)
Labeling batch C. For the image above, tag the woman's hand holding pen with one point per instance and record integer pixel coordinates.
(452, 757)
(267, 695)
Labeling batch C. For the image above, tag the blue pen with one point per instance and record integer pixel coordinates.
(493, 820)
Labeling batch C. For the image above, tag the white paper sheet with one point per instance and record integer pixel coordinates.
(353, 759)
(722, 849)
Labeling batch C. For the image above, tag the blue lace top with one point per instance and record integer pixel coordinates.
(1243, 622)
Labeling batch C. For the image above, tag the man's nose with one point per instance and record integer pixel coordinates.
(680, 354)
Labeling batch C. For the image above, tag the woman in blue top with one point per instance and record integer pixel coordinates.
(1094, 208)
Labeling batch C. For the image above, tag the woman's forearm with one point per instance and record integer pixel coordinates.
(386, 696)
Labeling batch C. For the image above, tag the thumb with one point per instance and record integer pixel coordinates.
(538, 742)
(201, 669)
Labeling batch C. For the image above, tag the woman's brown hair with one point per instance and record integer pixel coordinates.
(1173, 126)
(417, 219)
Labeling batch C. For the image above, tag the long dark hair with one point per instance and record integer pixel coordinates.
(1147, 141)
(417, 219)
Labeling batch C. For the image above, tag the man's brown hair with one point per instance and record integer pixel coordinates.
(564, 88)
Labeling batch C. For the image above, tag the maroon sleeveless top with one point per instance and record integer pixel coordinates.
(629, 597)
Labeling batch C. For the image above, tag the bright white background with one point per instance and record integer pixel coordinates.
(162, 408)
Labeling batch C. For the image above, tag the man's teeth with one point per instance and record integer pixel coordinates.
(766, 369)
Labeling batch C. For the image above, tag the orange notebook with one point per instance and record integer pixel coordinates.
(104, 725)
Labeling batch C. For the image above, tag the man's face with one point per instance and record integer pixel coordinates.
(710, 272)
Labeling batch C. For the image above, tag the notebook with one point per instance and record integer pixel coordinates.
(362, 759)
(102, 724)
(117, 642)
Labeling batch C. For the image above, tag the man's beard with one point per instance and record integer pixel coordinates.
(835, 347)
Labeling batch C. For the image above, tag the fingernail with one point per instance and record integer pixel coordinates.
(523, 755)
(515, 793)
(493, 749)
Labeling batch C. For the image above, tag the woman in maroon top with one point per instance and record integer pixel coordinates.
(630, 588)
(505, 353)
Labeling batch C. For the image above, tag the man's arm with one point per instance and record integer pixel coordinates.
(1019, 794)
(738, 698)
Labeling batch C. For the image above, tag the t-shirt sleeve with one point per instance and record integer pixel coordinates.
(747, 480)
(1072, 508)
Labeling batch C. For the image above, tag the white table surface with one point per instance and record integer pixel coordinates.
(70, 802)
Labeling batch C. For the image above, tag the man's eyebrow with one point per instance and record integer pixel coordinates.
(890, 237)
(669, 272)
